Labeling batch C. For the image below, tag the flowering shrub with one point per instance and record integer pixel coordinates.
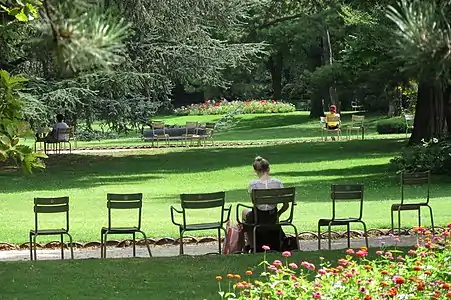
(221, 107)
(433, 155)
(422, 273)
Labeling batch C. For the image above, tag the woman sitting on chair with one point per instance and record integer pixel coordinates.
(332, 118)
(266, 213)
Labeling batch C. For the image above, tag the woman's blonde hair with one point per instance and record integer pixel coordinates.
(260, 165)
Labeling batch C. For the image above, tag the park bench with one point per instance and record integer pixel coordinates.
(183, 134)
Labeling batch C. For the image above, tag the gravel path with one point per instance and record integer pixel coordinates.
(190, 249)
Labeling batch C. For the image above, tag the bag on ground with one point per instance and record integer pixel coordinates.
(234, 240)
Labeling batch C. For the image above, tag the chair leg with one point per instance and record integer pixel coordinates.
(219, 240)
(392, 223)
(365, 233)
(254, 238)
(34, 247)
(105, 236)
(399, 223)
(348, 227)
(319, 237)
(147, 243)
(62, 247)
(330, 237)
(31, 246)
(134, 244)
(419, 216)
(297, 237)
(101, 244)
(432, 220)
(181, 241)
(71, 245)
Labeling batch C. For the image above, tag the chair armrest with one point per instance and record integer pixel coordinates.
(173, 209)
(228, 209)
(238, 211)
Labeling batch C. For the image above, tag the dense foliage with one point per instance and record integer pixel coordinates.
(391, 125)
(421, 273)
(221, 107)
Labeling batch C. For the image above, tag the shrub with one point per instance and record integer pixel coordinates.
(392, 125)
(94, 135)
(434, 156)
(218, 107)
(421, 273)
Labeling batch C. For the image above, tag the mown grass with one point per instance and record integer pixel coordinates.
(256, 127)
(160, 278)
(161, 175)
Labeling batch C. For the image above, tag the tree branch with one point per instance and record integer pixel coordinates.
(280, 20)
(52, 24)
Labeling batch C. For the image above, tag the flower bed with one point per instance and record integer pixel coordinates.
(222, 107)
(422, 273)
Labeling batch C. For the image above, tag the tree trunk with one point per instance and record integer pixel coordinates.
(429, 112)
(394, 102)
(328, 59)
(447, 109)
(317, 107)
(275, 65)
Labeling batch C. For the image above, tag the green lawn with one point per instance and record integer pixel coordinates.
(156, 278)
(161, 175)
(256, 127)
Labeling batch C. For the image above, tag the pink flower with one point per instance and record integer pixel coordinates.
(379, 252)
(286, 254)
(305, 264)
(449, 225)
(296, 284)
(293, 265)
(446, 233)
(411, 252)
(361, 253)
(316, 295)
(272, 268)
(322, 271)
(277, 263)
(266, 248)
(349, 275)
(311, 267)
(427, 245)
(350, 251)
(279, 292)
(343, 262)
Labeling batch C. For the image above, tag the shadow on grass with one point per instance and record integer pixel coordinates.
(270, 121)
(83, 171)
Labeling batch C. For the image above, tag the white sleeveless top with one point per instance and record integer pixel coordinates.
(272, 183)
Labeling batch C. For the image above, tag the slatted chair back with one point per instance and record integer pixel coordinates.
(50, 206)
(210, 128)
(415, 179)
(341, 192)
(191, 128)
(202, 201)
(409, 120)
(63, 134)
(357, 121)
(124, 202)
(333, 119)
(274, 197)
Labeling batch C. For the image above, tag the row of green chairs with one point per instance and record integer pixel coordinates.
(339, 193)
(355, 192)
(61, 205)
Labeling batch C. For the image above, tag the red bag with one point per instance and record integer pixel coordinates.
(234, 240)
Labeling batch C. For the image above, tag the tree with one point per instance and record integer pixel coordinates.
(424, 45)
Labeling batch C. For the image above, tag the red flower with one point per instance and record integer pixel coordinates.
(398, 279)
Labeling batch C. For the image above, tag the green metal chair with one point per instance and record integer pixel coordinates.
(201, 201)
(50, 206)
(412, 179)
(123, 201)
(343, 192)
(271, 197)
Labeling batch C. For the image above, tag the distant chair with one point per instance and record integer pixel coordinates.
(209, 133)
(41, 133)
(50, 206)
(159, 133)
(415, 180)
(357, 124)
(204, 201)
(343, 192)
(191, 132)
(409, 122)
(122, 202)
(57, 143)
(325, 130)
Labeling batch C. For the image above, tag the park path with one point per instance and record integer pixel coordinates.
(192, 249)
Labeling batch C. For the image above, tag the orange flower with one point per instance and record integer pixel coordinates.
(427, 272)
(416, 268)
(218, 278)
(445, 286)
(420, 286)
(229, 276)
(384, 272)
(384, 283)
(393, 292)
(364, 248)
(448, 295)
(368, 267)
(249, 272)
(399, 279)
(368, 297)
(237, 277)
